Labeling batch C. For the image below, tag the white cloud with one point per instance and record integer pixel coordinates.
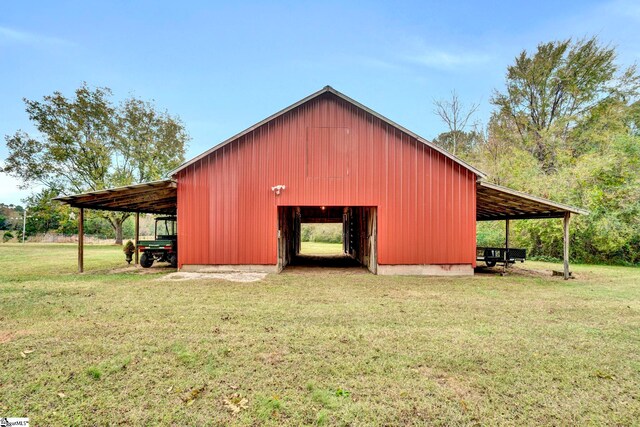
(23, 37)
(448, 60)
(422, 52)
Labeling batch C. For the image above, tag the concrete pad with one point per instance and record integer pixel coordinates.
(231, 276)
(207, 268)
(426, 270)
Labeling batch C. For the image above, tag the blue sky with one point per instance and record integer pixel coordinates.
(223, 66)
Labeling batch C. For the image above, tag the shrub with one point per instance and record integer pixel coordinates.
(129, 248)
(7, 236)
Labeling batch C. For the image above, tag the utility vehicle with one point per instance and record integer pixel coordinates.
(164, 248)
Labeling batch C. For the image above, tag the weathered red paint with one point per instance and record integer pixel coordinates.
(327, 152)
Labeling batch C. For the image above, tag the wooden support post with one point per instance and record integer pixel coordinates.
(81, 241)
(506, 245)
(137, 238)
(567, 218)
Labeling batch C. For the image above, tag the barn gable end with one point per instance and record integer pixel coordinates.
(327, 151)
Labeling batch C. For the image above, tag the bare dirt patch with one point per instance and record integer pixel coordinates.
(6, 336)
(449, 382)
(154, 269)
(232, 276)
(513, 270)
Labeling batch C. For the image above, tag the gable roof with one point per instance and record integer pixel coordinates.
(329, 89)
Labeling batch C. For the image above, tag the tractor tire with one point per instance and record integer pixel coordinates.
(172, 258)
(146, 261)
(490, 263)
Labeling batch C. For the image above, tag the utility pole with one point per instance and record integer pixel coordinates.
(24, 224)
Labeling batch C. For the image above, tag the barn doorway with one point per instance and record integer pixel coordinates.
(356, 227)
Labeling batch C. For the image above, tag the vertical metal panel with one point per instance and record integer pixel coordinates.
(326, 152)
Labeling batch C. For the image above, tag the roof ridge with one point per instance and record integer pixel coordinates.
(344, 97)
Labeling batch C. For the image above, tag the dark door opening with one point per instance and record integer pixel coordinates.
(350, 233)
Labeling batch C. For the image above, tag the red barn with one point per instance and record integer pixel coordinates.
(406, 205)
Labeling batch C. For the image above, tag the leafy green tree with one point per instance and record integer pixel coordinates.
(567, 129)
(551, 91)
(460, 143)
(88, 143)
(43, 213)
(12, 216)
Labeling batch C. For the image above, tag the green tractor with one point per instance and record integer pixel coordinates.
(164, 248)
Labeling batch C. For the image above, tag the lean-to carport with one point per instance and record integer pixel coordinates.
(495, 202)
(157, 197)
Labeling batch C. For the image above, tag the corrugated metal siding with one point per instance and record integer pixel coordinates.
(327, 152)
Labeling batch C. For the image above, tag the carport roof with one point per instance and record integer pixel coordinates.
(495, 202)
(156, 197)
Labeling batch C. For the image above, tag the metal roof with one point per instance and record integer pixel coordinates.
(157, 197)
(329, 89)
(495, 202)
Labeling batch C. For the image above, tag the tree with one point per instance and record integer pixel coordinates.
(44, 214)
(12, 216)
(456, 116)
(88, 143)
(566, 128)
(549, 92)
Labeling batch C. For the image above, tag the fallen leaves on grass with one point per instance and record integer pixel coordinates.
(235, 403)
(192, 395)
(24, 353)
(603, 375)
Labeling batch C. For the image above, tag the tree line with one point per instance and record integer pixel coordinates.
(565, 127)
(89, 142)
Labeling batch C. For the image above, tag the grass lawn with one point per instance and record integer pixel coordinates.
(127, 348)
(314, 248)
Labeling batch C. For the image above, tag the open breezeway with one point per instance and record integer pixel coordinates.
(359, 237)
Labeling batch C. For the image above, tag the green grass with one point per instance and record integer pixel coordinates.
(108, 348)
(316, 248)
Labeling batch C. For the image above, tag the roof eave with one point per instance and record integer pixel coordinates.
(170, 182)
(562, 206)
